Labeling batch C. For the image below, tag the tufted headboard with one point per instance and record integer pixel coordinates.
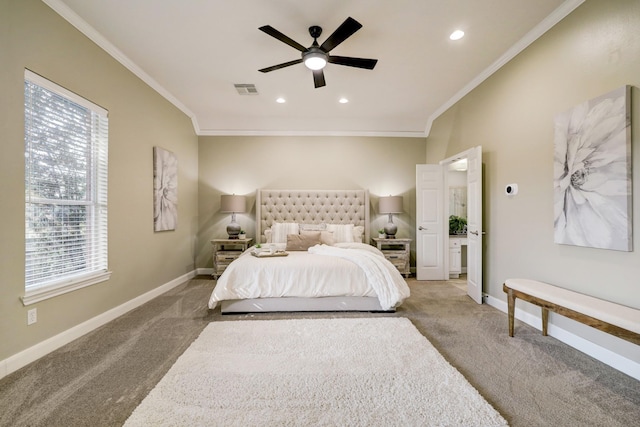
(312, 207)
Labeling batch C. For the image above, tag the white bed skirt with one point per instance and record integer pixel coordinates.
(259, 305)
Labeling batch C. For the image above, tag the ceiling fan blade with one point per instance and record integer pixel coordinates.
(346, 29)
(318, 78)
(353, 62)
(277, 67)
(278, 35)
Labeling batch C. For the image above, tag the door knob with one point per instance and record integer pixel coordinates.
(421, 228)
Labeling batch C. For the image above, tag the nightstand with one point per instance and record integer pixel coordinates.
(397, 251)
(225, 251)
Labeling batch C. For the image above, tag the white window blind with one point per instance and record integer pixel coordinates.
(66, 144)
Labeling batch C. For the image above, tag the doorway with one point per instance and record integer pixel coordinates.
(433, 241)
(456, 208)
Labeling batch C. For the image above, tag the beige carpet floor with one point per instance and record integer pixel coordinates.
(99, 379)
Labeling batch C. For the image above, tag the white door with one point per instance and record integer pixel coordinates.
(432, 256)
(474, 224)
(430, 243)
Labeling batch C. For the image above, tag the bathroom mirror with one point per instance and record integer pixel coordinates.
(458, 201)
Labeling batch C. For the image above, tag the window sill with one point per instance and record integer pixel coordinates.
(46, 292)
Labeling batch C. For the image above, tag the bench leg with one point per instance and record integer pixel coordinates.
(545, 318)
(511, 306)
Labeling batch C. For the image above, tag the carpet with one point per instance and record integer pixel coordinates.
(357, 372)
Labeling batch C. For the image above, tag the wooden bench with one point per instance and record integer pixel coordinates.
(615, 319)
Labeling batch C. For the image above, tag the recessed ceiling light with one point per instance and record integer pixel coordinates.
(457, 35)
(458, 165)
(343, 100)
(281, 100)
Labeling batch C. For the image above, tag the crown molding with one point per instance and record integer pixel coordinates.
(74, 19)
(81, 25)
(310, 133)
(545, 25)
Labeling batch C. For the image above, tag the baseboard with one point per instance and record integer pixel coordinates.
(19, 360)
(600, 353)
(205, 271)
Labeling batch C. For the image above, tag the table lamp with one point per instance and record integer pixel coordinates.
(233, 204)
(390, 205)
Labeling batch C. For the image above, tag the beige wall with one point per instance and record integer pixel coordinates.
(241, 165)
(35, 37)
(594, 50)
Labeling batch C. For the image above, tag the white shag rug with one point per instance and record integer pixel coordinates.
(313, 372)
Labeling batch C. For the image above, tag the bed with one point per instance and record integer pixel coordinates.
(315, 256)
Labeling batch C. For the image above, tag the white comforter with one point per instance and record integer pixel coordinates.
(347, 269)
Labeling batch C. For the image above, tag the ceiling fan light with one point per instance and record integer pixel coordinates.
(315, 61)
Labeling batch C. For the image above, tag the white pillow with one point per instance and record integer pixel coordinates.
(342, 233)
(312, 227)
(279, 231)
(358, 233)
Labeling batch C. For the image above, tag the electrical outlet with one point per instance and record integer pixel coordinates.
(32, 316)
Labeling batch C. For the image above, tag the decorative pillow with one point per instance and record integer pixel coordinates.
(268, 235)
(280, 230)
(341, 232)
(303, 241)
(358, 233)
(326, 238)
(312, 227)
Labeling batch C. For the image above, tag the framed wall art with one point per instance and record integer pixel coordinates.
(165, 190)
(592, 173)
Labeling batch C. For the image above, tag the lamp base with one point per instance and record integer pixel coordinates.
(390, 230)
(233, 230)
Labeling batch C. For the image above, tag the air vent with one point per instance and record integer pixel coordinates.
(246, 89)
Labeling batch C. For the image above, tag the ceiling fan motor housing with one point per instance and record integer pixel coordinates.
(315, 31)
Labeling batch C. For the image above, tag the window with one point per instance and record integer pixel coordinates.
(66, 142)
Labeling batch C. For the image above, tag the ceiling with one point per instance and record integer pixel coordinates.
(194, 51)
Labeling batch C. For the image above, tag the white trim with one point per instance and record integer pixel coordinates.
(74, 19)
(41, 293)
(549, 22)
(205, 271)
(386, 134)
(64, 92)
(31, 354)
(594, 350)
(44, 282)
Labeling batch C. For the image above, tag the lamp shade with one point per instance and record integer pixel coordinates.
(232, 203)
(390, 205)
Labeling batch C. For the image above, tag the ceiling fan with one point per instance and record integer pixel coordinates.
(317, 56)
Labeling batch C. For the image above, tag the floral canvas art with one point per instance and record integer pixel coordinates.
(165, 190)
(592, 173)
